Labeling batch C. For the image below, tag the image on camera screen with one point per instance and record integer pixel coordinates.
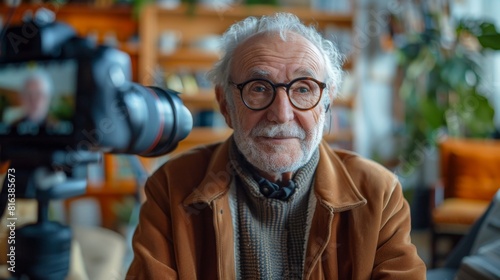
(38, 97)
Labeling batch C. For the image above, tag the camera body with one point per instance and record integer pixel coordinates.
(62, 92)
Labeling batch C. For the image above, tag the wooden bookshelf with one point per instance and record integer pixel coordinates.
(201, 101)
(201, 21)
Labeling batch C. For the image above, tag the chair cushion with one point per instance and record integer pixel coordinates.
(474, 175)
(457, 214)
(463, 146)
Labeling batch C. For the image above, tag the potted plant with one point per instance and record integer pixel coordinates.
(442, 90)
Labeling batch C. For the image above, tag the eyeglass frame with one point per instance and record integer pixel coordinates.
(240, 86)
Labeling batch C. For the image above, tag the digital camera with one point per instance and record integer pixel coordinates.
(59, 91)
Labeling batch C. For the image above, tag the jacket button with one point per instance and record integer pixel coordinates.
(265, 190)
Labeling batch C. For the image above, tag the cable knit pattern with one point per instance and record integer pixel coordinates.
(271, 232)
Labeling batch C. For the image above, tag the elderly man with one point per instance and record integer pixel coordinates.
(274, 201)
(36, 95)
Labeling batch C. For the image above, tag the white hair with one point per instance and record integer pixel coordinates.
(281, 23)
(41, 77)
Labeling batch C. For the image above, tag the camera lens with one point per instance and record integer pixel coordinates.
(158, 120)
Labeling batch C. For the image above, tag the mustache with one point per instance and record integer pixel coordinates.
(278, 130)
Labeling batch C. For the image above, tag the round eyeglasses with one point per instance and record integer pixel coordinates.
(258, 94)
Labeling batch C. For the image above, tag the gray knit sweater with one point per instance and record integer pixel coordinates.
(270, 233)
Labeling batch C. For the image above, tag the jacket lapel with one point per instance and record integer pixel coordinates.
(335, 192)
(217, 178)
(213, 191)
(333, 184)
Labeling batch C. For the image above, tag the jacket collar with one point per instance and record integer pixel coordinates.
(330, 172)
(218, 176)
(333, 184)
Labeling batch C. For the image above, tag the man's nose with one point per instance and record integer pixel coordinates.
(281, 110)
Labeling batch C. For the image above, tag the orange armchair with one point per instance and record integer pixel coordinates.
(469, 178)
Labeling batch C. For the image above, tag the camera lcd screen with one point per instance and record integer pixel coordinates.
(38, 98)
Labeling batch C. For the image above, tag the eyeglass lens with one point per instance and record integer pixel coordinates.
(303, 94)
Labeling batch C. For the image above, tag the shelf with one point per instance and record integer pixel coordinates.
(202, 136)
(198, 21)
(239, 11)
(188, 58)
(130, 48)
(85, 18)
(72, 9)
(183, 58)
(200, 101)
(190, 54)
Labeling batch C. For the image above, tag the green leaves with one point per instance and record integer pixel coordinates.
(432, 114)
(441, 86)
(491, 41)
(476, 113)
(484, 31)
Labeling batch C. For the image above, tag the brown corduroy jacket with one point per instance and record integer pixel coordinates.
(360, 228)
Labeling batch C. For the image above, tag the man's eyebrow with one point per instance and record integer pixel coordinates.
(305, 72)
(258, 73)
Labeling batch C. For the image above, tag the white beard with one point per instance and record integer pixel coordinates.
(280, 159)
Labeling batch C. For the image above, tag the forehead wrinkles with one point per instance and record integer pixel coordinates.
(265, 53)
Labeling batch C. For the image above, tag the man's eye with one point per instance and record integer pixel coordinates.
(303, 90)
(259, 88)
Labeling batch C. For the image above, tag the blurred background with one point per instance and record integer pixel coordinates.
(421, 95)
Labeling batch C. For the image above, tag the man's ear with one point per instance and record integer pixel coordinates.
(223, 106)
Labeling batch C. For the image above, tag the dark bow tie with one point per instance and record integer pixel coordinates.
(272, 190)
